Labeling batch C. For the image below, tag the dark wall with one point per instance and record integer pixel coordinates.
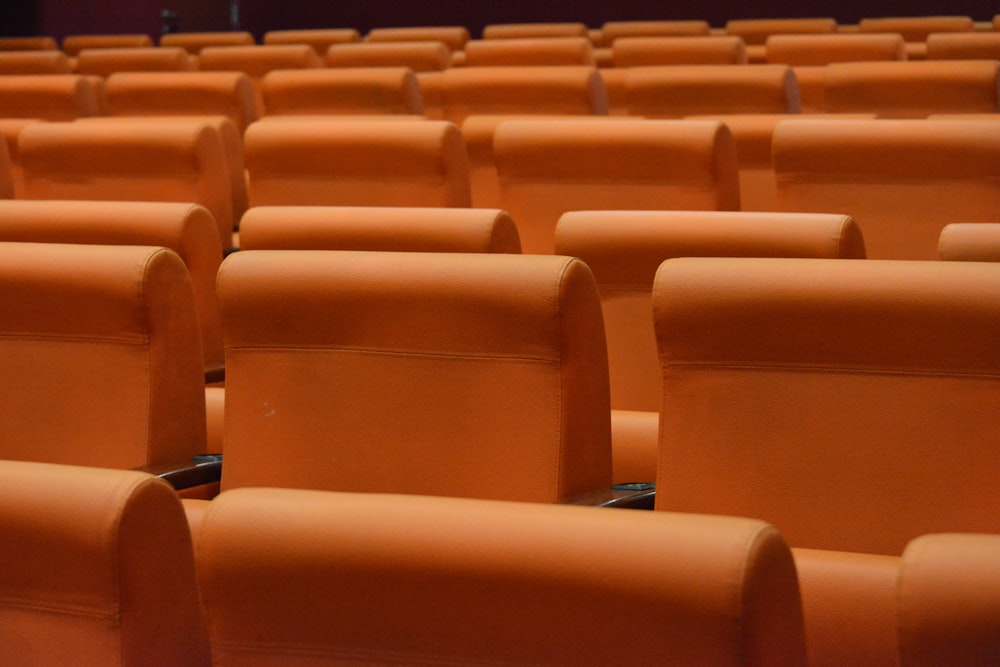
(59, 18)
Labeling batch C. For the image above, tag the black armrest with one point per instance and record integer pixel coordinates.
(635, 496)
(202, 469)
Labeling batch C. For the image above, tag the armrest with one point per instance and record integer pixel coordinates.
(633, 496)
(201, 469)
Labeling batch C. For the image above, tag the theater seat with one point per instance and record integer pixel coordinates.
(72, 45)
(58, 97)
(34, 62)
(320, 39)
(452, 36)
(105, 62)
(418, 56)
(356, 90)
(611, 31)
(529, 51)
(293, 577)
(195, 42)
(970, 242)
(652, 51)
(97, 570)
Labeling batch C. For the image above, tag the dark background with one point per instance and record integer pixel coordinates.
(59, 18)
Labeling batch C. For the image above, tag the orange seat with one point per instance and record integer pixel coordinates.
(624, 249)
(646, 51)
(105, 62)
(378, 228)
(361, 90)
(257, 61)
(98, 570)
(913, 89)
(72, 45)
(963, 46)
(10, 131)
(970, 242)
(479, 582)
(352, 163)
(418, 56)
(948, 588)
(28, 44)
(101, 359)
(34, 62)
(528, 89)
(529, 51)
(902, 180)
(454, 37)
(815, 394)
(495, 31)
(140, 160)
(547, 168)
(614, 30)
(48, 96)
(756, 31)
(813, 50)
(916, 29)
(675, 91)
(194, 42)
(320, 39)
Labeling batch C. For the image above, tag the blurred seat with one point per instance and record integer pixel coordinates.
(319, 39)
(549, 167)
(815, 394)
(529, 51)
(357, 90)
(454, 37)
(614, 30)
(970, 242)
(288, 577)
(705, 50)
(194, 42)
(98, 570)
(48, 96)
(418, 56)
(533, 30)
(915, 29)
(356, 163)
(378, 228)
(756, 31)
(902, 181)
(28, 44)
(34, 62)
(675, 91)
(963, 46)
(257, 61)
(6, 173)
(105, 62)
(624, 250)
(72, 45)
(949, 585)
(913, 89)
(10, 131)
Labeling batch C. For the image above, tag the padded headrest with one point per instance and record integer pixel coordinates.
(805, 50)
(258, 60)
(47, 96)
(454, 37)
(196, 41)
(756, 31)
(320, 39)
(104, 62)
(613, 30)
(970, 242)
(682, 90)
(347, 90)
(505, 31)
(702, 50)
(537, 88)
(34, 62)
(419, 56)
(963, 45)
(916, 28)
(73, 44)
(227, 93)
(531, 51)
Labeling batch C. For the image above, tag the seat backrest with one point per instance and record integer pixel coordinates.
(229, 94)
(357, 163)
(110, 371)
(816, 394)
(41, 43)
(675, 91)
(422, 229)
(476, 375)
(105, 62)
(356, 90)
(611, 31)
(916, 28)
(963, 46)
(756, 31)
(257, 61)
(913, 89)
(547, 168)
(48, 96)
(625, 248)
(10, 131)
(454, 37)
(34, 62)
(809, 50)
(529, 51)
(970, 242)
(177, 160)
(533, 30)
(418, 56)
(7, 182)
(72, 45)
(320, 39)
(478, 582)
(949, 585)
(188, 230)
(194, 42)
(704, 50)
(901, 180)
(527, 89)
(98, 570)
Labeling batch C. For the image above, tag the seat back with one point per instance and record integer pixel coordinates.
(41, 43)
(611, 31)
(175, 160)
(378, 228)
(72, 45)
(48, 96)
(547, 168)
(454, 37)
(418, 56)
(361, 90)
(948, 588)
(194, 42)
(756, 31)
(320, 39)
(34, 62)
(256, 61)
(525, 89)
(188, 230)
(229, 94)
(913, 89)
(916, 28)
(963, 46)
(970, 242)
(347, 370)
(816, 394)
(357, 163)
(815, 50)
(902, 181)
(98, 570)
(10, 131)
(110, 371)
(495, 31)
(704, 50)
(477, 582)
(529, 51)
(105, 62)
(675, 91)
(7, 182)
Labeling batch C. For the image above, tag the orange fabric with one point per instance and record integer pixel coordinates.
(834, 48)
(98, 570)
(320, 40)
(289, 578)
(948, 590)
(916, 28)
(72, 45)
(422, 229)
(704, 50)
(530, 51)
(351, 163)
(673, 91)
(257, 61)
(418, 56)
(454, 37)
(547, 168)
(10, 130)
(798, 389)
(48, 96)
(363, 90)
(812, 87)
(347, 370)
(28, 44)
(497, 31)
(194, 42)
(902, 181)
(970, 242)
(34, 62)
(963, 46)
(104, 62)
(115, 353)
(614, 79)
(6, 173)
(756, 31)
(614, 30)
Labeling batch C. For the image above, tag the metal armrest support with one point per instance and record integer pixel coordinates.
(202, 469)
(634, 496)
